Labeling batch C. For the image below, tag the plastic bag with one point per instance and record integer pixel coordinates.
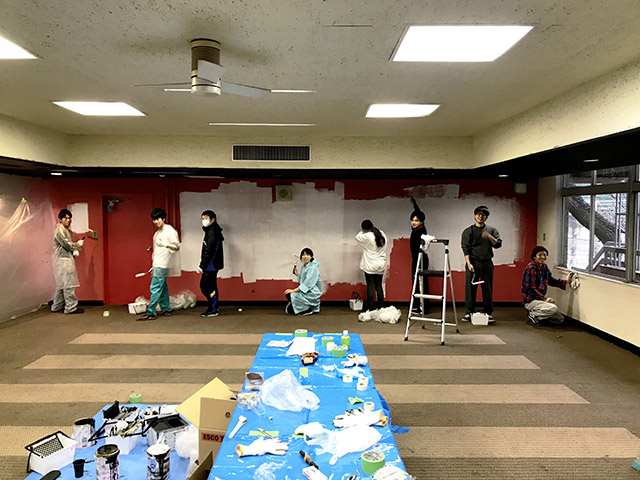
(383, 315)
(267, 471)
(284, 392)
(340, 442)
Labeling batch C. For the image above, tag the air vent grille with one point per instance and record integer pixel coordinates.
(272, 153)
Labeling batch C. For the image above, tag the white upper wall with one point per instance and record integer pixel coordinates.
(603, 106)
(29, 142)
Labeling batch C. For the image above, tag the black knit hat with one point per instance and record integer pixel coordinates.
(481, 209)
(537, 250)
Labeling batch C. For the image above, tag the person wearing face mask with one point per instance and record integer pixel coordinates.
(305, 298)
(64, 266)
(211, 261)
(535, 280)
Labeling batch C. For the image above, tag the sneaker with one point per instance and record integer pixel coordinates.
(307, 313)
(532, 320)
(145, 318)
(77, 310)
(286, 308)
(209, 313)
(466, 318)
(491, 319)
(165, 313)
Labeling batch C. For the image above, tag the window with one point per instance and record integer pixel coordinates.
(601, 222)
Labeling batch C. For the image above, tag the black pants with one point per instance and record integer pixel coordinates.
(209, 288)
(425, 280)
(374, 282)
(483, 270)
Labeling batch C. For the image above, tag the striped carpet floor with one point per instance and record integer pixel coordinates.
(505, 401)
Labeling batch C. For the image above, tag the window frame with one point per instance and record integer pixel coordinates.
(632, 188)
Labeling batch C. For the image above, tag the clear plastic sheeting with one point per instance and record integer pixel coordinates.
(284, 392)
(27, 222)
(183, 300)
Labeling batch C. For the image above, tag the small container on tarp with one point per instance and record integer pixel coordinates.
(50, 453)
(169, 426)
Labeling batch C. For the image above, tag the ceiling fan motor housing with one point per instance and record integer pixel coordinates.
(209, 50)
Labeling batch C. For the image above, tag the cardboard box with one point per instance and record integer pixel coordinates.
(210, 410)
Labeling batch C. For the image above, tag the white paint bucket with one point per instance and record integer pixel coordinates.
(108, 462)
(83, 430)
(158, 457)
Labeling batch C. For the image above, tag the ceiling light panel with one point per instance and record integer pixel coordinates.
(458, 43)
(400, 110)
(11, 51)
(107, 109)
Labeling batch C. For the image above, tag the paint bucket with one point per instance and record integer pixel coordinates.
(158, 457)
(108, 462)
(83, 430)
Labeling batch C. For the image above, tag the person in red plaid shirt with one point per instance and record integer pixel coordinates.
(535, 279)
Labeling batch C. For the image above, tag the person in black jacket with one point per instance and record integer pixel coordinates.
(211, 261)
(417, 230)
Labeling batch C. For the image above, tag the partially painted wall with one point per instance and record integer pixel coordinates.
(263, 237)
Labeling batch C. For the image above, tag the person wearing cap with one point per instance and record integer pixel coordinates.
(535, 280)
(478, 242)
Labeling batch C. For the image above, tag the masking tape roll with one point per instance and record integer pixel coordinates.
(326, 340)
(347, 378)
(369, 406)
(346, 340)
(372, 461)
(135, 398)
(361, 386)
(300, 332)
(330, 346)
(339, 351)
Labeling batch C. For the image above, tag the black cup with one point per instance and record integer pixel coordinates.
(78, 467)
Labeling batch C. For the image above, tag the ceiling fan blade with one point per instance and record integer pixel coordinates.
(210, 71)
(244, 90)
(161, 84)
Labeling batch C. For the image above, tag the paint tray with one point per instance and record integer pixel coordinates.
(50, 453)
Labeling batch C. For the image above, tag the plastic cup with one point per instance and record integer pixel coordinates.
(78, 467)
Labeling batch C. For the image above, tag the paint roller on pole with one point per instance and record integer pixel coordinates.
(142, 274)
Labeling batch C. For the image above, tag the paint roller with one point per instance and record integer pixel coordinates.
(142, 274)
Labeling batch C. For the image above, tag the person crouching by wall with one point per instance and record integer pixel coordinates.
(305, 298)
(211, 261)
(535, 279)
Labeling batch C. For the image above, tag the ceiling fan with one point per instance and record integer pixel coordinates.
(206, 73)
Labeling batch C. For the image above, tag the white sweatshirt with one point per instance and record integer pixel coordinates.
(374, 258)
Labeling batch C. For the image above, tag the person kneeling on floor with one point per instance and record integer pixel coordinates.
(535, 280)
(305, 298)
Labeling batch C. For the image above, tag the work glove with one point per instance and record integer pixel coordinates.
(76, 253)
(354, 359)
(80, 242)
(262, 446)
(359, 417)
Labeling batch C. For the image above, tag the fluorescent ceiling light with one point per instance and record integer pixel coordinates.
(219, 124)
(11, 51)
(458, 43)
(57, 174)
(503, 175)
(399, 110)
(294, 91)
(111, 109)
(592, 160)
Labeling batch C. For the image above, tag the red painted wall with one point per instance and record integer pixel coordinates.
(91, 265)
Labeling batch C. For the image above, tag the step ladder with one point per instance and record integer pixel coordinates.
(420, 277)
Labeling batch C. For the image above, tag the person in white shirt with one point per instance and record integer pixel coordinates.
(165, 263)
(373, 261)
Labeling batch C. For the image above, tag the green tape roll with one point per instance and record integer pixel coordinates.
(371, 461)
(326, 340)
(339, 351)
(300, 332)
(346, 340)
(135, 398)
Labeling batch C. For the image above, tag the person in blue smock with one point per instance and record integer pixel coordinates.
(305, 298)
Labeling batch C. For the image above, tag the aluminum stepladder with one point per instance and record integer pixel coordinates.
(419, 279)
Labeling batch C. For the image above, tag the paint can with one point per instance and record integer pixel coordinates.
(83, 430)
(158, 457)
(108, 462)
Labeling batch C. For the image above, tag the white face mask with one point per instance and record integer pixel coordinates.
(206, 223)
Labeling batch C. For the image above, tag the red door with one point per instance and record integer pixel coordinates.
(128, 233)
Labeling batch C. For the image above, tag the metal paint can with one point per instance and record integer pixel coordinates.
(158, 457)
(108, 462)
(83, 430)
